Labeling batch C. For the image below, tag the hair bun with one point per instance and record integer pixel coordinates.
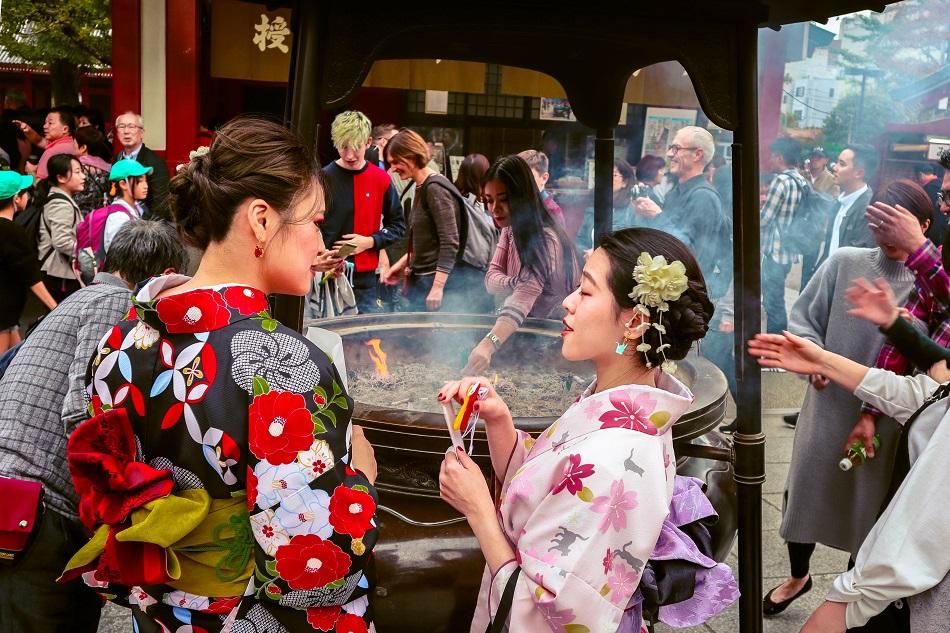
(686, 322)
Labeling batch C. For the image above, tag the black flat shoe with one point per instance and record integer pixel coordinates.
(730, 428)
(774, 608)
(790, 420)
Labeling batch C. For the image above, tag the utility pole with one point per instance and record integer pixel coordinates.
(864, 73)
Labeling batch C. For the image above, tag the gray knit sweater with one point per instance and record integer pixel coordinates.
(824, 504)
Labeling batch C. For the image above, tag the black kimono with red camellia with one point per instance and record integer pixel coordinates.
(215, 472)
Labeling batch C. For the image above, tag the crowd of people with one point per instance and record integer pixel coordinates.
(168, 417)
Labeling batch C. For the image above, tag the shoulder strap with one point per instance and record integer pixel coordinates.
(500, 623)
(902, 458)
(445, 183)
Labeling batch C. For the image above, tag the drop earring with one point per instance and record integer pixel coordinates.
(621, 348)
(258, 251)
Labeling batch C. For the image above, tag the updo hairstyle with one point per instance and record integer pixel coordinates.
(250, 157)
(688, 317)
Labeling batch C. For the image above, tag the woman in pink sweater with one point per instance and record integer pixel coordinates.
(535, 265)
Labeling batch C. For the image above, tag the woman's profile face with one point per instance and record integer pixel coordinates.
(289, 256)
(402, 166)
(593, 325)
(619, 181)
(75, 181)
(496, 200)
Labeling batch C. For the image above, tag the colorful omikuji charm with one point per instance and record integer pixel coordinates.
(463, 423)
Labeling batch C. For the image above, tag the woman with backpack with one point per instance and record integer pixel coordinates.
(57, 226)
(535, 265)
(436, 278)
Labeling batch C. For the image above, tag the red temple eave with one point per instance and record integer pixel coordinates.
(939, 127)
(37, 70)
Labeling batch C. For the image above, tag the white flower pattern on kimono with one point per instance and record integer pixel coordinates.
(144, 335)
(522, 484)
(269, 533)
(307, 512)
(615, 506)
(186, 600)
(317, 459)
(277, 482)
(282, 360)
(142, 598)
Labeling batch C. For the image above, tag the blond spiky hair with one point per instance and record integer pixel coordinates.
(350, 129)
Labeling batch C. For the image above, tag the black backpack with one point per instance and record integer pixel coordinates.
(30, 219)
(806, 228)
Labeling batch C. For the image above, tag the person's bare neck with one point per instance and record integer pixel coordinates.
(852, 186)
(614, 372)
(8, 212)
(221, 264)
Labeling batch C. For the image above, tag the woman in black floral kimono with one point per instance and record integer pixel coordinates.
(219, 474)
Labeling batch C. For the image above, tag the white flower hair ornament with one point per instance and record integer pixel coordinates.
(192, 155)
(658, 283)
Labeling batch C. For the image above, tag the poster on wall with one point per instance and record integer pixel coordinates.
(661, 126)
(556, 109)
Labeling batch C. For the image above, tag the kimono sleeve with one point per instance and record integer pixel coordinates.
(312, 515)
(584, 545)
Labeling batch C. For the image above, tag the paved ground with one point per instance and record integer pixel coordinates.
(781, 393)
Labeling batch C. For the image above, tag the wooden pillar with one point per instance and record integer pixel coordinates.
(126, 57)
(603, 182)
(749, 441)
(182, 70)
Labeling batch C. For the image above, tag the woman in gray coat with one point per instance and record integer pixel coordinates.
(822, 503)
(57, 231)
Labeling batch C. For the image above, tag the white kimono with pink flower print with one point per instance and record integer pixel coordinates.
(583, 506)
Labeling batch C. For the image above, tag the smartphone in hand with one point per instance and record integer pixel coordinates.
(346, 250)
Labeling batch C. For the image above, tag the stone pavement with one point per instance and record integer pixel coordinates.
(781, 393)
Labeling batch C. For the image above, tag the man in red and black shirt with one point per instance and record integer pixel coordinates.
(363, 206)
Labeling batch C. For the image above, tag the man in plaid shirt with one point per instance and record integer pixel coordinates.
(781, 203)
(928, 306)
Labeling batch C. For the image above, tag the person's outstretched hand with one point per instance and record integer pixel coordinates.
(787, 351)
(875, 303)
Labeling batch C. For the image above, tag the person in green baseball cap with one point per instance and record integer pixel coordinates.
(19, 267)
(129, 189)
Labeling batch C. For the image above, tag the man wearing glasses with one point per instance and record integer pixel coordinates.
(130, 130)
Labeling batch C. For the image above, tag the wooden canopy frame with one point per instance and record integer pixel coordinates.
(591, 49)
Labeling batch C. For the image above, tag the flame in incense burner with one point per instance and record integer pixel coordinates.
(378, 357)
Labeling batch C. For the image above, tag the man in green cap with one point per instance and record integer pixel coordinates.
(19, 268)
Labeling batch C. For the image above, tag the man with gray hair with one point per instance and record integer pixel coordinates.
(692, 211)
(41, 403)
(130, 131)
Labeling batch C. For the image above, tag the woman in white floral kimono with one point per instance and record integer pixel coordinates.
(591, 512)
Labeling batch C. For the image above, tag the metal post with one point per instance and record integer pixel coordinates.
(603, 182)
(303, 108)
(749, 439)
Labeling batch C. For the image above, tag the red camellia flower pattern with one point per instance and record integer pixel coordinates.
(279, 426)
(322, 618)
(196, 311)
(351, 511)
(245, 299)
(251, 489)
(222, 606)
(308, 562)
(349, 623)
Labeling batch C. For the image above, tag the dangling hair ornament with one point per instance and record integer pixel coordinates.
(658, 282)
